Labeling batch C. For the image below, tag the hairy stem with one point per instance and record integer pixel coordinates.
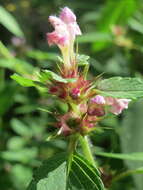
(71, 149)
(86, 149)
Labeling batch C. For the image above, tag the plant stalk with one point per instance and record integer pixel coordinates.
(86, 149)
(71, 149)
(127, 173)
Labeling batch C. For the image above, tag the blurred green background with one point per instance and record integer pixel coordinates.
(113, 37)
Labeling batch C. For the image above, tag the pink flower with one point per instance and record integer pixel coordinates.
(56, 22)
(57, 38)
(117, 105)
(98, 100)
(66, 28)
(60, 36)
(65, 31)
(67, 15)
(74, 30)
(69, 18)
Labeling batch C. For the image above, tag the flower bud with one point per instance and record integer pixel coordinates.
(53, 90)
(96, 111)
(62, 124)
(75, 93)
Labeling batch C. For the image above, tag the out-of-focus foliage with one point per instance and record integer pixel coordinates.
(113, 37)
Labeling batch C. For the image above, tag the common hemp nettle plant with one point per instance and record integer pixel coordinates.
(88, 102)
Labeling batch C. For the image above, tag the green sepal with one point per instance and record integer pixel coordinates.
(49, 76)
(82, 60)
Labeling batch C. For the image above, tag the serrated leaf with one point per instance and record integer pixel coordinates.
(118, 87)
(49, 75)
(7, 20)
(23, 81)
(84, 176)
(51, 175)
(56, 179)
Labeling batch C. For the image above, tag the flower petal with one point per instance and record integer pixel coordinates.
(67, 15)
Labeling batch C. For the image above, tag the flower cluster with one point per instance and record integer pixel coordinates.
(86, 106)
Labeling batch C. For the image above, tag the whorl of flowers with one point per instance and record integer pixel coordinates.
(86, 106)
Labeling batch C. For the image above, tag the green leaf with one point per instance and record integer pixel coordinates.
(7, 20)
(53, 181)
(84, 176)
(121, 87)
(45, 110)
(16, 143)
(18, 65)
(51, 175)
(135, 156)
(49, 75)
(4, 51)
(136, 25)
(23, 81)
(20, 128)
(25, 109)
(24, 155)
(20, 176)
